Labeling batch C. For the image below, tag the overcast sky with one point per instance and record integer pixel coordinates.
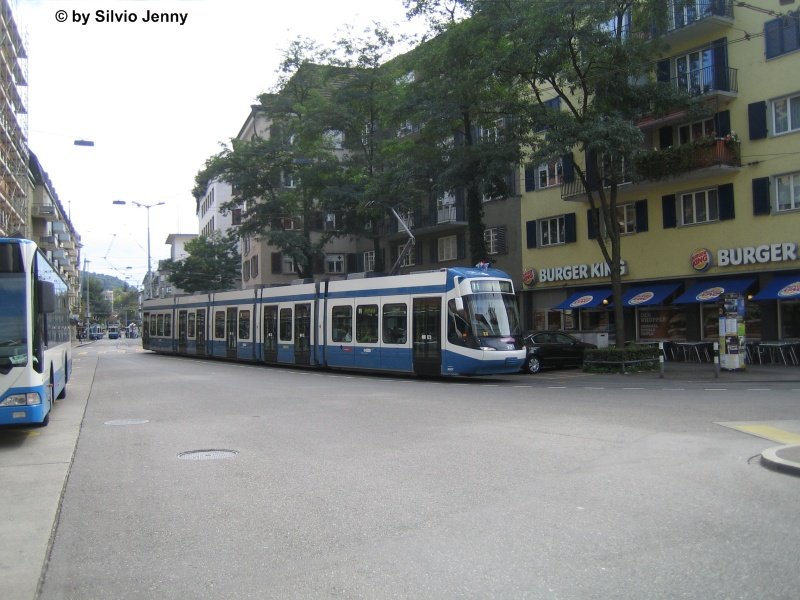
(157, 99)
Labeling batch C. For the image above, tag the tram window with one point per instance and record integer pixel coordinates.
(395, 323)
(285, 326)
(167, 325)
(244, 324)
(457, 325)
(190, 325)
(160, 325)
(342, 323)
(219, 325)
(367, 323)
(153, 319)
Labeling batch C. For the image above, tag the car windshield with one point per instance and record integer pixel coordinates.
(492, 314)
(13, 338)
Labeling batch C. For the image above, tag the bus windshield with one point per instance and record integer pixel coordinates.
(492, 314)
(13, 336)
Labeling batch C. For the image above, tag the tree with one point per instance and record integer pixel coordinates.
(213, 264)
(592, 57)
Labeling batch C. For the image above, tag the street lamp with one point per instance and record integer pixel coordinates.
(148, 207)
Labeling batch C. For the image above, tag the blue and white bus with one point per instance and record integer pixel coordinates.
(458, 321)
(35, 339)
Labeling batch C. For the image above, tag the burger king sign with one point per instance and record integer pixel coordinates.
(701, 259)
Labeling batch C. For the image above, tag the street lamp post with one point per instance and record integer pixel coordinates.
(148, 207)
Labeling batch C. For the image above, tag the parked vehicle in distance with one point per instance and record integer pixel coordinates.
(553, 349)
(113, 332)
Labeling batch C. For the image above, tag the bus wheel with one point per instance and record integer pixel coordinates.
(63, 393)
(45, 421)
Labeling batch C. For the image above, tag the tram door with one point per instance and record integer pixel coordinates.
(182, 318)
(271, 333)
(201, 331)
(231, 327)
(302, 334)
(427, 326)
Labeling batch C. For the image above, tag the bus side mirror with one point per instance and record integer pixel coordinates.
(459, 304)
(47, 296)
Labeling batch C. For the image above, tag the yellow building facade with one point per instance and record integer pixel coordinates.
(726, 223)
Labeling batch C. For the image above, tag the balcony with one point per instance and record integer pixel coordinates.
(695, 19)
(708, 82)
(48, 242)
(47, 212)
(687, 162)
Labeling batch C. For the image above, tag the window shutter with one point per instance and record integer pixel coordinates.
(720, 48)
(352, 263)
(501, 240)
(568, 170)
(772, 38)
(461, 247)
(434, 250)
(757, 120)
(277, 262)
(761, 199)
(592, 178)
(662, 71)
(665, 137)
(668, 211)
(570, 229)
(722, 123)
(592, 222)
(530, 178)
(727, 209)
(641, 216)
(530, 233)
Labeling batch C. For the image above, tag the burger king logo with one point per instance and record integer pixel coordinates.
(641, 298)
(529, 277)
(701, 259)
(578, 302)
(710, 294)
(790, 291)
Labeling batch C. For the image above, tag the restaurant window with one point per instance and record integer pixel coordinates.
(244, 324)
(787, 192)
(710, 320)
(550, 319)
(661, 323)
(752, 320)
(699, 207)
(790, 319)
(595, 320)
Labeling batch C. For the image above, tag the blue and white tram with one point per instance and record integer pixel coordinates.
(458, 321)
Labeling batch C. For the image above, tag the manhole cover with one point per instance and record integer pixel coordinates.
(207, 454)
(127, 422)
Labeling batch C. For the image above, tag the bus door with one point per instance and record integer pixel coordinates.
(231, 328)
(302, 334)
(427, 336)
(270, 333)
(182, 317)
(201, 332)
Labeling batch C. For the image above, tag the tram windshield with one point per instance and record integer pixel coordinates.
(492, 314)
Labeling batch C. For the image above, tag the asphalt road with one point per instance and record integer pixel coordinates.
(306, 484)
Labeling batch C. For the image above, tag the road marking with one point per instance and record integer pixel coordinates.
(758, 389)
(768, 432)
(715, 389)
(673, 389)
(556, 387)
(633, 388)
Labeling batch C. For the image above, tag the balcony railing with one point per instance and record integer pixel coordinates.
(707, 80)
(669, 162)
(687, 12)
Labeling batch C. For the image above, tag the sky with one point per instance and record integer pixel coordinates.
(157, 99)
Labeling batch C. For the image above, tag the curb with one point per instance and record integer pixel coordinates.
(782, 458)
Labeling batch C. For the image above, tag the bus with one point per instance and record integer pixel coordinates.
(35, 338)
(456, 321)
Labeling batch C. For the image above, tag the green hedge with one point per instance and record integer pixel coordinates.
(626, 359)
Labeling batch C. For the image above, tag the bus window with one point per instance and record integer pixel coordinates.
(190, 325)
(395, 323)
(244, 324)
(367, 323)
(219, 325)
(342, 324)
(285, 326)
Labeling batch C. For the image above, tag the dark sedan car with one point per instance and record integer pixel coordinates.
(553, 349)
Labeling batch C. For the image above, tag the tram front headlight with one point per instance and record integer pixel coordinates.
(488, 348)
(29, 399)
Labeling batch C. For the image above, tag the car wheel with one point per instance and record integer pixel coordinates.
(534, 364)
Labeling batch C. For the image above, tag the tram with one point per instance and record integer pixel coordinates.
(456, 321)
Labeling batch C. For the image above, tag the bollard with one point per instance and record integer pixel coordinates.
(716, 360)
(661, 360)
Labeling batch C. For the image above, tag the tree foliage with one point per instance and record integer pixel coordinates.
(213, 264)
